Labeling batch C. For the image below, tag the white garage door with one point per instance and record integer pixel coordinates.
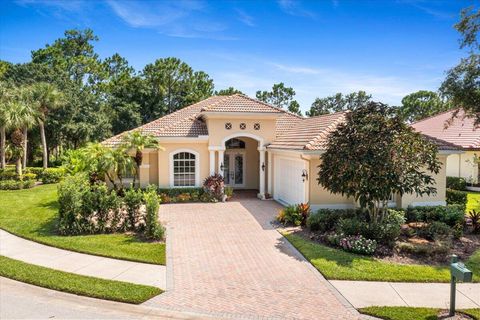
(289, 187)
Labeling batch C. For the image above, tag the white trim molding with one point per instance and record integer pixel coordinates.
(244, 134)
(199, 139)
(428, 203)
(197, 166)
(315, 207)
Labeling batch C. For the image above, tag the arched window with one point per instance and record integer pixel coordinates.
(235, 143)
(184, 169)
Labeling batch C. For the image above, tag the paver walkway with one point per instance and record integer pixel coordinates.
(226, 260)
(35, 253)
(436, 295)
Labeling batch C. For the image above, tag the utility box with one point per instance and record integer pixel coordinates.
(458, 272)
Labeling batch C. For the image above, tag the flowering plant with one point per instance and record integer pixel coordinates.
(214, 185)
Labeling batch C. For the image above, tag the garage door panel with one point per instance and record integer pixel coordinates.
(289, 186)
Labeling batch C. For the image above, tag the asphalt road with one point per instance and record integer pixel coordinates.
(23, 301)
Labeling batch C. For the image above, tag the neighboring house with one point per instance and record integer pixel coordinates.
(459, 131)
(254, 146)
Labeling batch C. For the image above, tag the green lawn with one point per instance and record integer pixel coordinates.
(32, 214)
(77, 284)
(473, 201)
(409, 313)
(337, 264)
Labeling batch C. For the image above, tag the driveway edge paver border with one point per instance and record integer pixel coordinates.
(318, 274)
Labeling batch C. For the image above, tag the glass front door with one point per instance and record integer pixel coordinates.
(234, 169)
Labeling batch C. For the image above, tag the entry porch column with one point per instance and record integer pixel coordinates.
(261, 187)
(212, 160)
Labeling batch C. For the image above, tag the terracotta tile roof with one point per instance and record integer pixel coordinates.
(187, 122)
(442, 144)
(308, 133)
(461, 131)
(181, 123)
(241, 103)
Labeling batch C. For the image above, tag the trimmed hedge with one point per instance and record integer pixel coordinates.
(16, 184)
(452, 215)
(457, 197)
(456, 183)
(49, 175)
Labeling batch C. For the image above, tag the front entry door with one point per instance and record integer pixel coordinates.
(234, 169)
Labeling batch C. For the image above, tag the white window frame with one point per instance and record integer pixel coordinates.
(197, 167)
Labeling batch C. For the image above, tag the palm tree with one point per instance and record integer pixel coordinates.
(24, 96)
(4, 121)
(47, 98)
(20, 116)
(137, 141)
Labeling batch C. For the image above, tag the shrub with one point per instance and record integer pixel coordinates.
(451, 215)
(229, 192)
(8, 174)
(457, 197)
(214, 185)
(52, 175)
(36, 170)
(326, 219)
(475, 219)
(133, 201)
(385, 231)
(304, 211)
(356, 244)
(104, 204)
(290, 215)
(153, 230)
(29, 176)
(435, 231)
(72, 217)
(423, 249)
(16, 184)
(456, 183)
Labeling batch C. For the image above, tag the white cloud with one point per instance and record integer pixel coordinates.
(245, 18)
(294, 8)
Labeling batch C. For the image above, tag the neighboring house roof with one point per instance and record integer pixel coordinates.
(460, 130)
(309, 133)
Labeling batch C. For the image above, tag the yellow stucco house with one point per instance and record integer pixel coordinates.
(254, 146)
(462, 132)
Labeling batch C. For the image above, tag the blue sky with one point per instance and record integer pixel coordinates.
(387, 48)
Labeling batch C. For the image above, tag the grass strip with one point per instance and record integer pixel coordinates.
(336, 264)
(76, 284)
(411, 313)
(32, 214)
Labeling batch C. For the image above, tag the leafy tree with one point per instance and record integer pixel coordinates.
(462, 84)
(137, 141)
(73, 54)
(123, 90)
(294, 107)
(374, 154)
(227, 92)
(280, 96)
(47, 99)
(421, 104)
(169, 85)
(339, 102)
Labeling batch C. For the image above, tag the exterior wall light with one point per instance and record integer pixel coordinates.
(221, 167)
(263, 166)
(304, 175)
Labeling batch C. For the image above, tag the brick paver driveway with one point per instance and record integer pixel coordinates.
(226, 260)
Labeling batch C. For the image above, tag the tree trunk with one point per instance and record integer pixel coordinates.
(2, 148)
(18, 166)
(25, 145)
(44, 144)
